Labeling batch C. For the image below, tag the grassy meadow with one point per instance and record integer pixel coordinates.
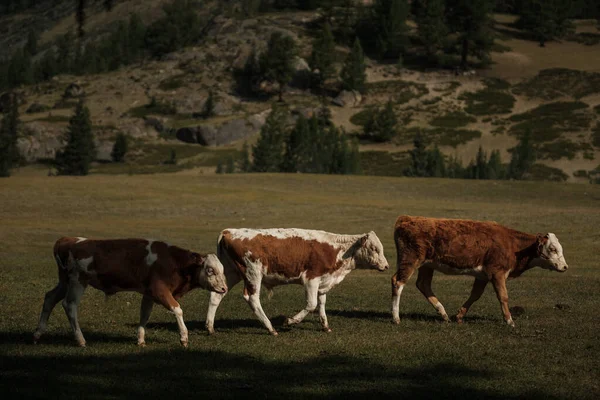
(553, 353)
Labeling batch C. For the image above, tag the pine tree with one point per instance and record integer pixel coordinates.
(297, 147)
(220, 169)
(230, 166)
(436, 165)
(382, 125)
(454, 168)
(9, 153)
(431, 24)
(80, 17)
(522, 159)
(137, 33)
(481, 164)
(244, 164)
(248, 77)
(209, 105)
(277, 61)
(353, 72)
(547, 19)
(392, 31)
(120, 148)
(80, 151)
(495, 167)
(323, 55)
(471, 20)
(32, 42)
(268, 151)
(418, 156)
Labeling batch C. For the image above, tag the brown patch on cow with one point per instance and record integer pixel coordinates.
(288, 257)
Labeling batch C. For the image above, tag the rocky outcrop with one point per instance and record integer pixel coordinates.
(73, 91)
(225, 133)
(39, 142)
(348, 98)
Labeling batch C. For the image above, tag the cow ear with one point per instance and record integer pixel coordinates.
(363, 240)
(541, 239)
(197, 258)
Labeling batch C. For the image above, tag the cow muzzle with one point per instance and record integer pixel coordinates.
(562, 268)
(384, 268)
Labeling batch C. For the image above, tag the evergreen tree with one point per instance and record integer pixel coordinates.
(547, 19)
(431, 24)
(46, 67)
(495, 167)
(64, 53)
(80, 17)
(391, 28)
(137, 33)
(230, 166)
(80, 151)
(522, 159)
(454, 168)
(120, 148)
(173, 158)
(436, 165)
(9, 153)
(244, 164)
(353, 72)
(32, 42)
(20, 69)
(481, 165)
(323, 55)
(382, 125)
(209, 105)
(471, 20)
(220, 169)
(418, 157)
(298, 147)
(277, 61)
(249, 76)
(108, 5)
(268, 151)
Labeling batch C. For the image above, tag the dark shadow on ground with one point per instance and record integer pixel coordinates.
(378, 315)
(153, 374)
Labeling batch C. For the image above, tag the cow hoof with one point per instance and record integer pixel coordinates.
(142, 344)
(459, 320)
(274, 333)
(184, 343)
(396, 321)
(81, 344)
(289, 322)
(328, 330)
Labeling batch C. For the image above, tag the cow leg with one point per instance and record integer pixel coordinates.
(476, 292)
(402, 275)
(311, 289)
(50, 301)
(215, 300)
(162, 295)
(71, 304)
(499, 282)
(322, 315)
(145, 311)
(424, 285)
(252, 297)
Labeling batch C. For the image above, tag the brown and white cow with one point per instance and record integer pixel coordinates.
(270, 257)
(161, 272)
(486, 250)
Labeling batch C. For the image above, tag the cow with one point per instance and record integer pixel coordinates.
(160, 272)
(317, 260)
(485, 250)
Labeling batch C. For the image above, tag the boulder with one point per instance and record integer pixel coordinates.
(39, 142)
(73, 91)
(348, 98)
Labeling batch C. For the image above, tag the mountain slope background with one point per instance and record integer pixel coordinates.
(552, 91)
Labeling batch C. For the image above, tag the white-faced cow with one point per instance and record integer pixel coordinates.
(162, 273)
(486, 250)
(270, 257)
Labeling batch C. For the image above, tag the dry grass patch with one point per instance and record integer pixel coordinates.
(553, 83)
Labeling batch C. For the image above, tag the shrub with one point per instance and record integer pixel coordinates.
(553, 83)
(488, 102)
(455, 119)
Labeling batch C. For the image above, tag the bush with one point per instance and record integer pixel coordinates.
(454, 119)
(561, 148)
(553, 83)
(541, 172)
(488, 102)
(362, 117)
(548, 121)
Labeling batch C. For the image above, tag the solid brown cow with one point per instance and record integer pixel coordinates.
(161, 272)
(486, 250)
(270, 257)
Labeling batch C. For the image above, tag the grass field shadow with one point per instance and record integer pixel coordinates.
(63, 339)
(221, 375)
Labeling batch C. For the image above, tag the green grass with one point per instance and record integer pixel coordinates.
(455, 119)
(439, 136)
(553, 83)
(496, 84)
(548, 121)
(544, 172)
(144, 158)
(54, 119)
(383, 163)
(551, 354)
(153, 108)
(362, 117)
(488, 102)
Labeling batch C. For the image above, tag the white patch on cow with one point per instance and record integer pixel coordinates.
(477, 271)
(553, 252)
(328, 281)
(80, 239)
(287, 233)
(150, 257)
(84, 264)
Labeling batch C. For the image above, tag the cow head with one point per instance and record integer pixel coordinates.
(210, 273)
(369, 253)
(551, 252)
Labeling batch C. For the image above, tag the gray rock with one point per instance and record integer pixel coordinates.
(39, 142)
(348, 98)
(73, 91)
